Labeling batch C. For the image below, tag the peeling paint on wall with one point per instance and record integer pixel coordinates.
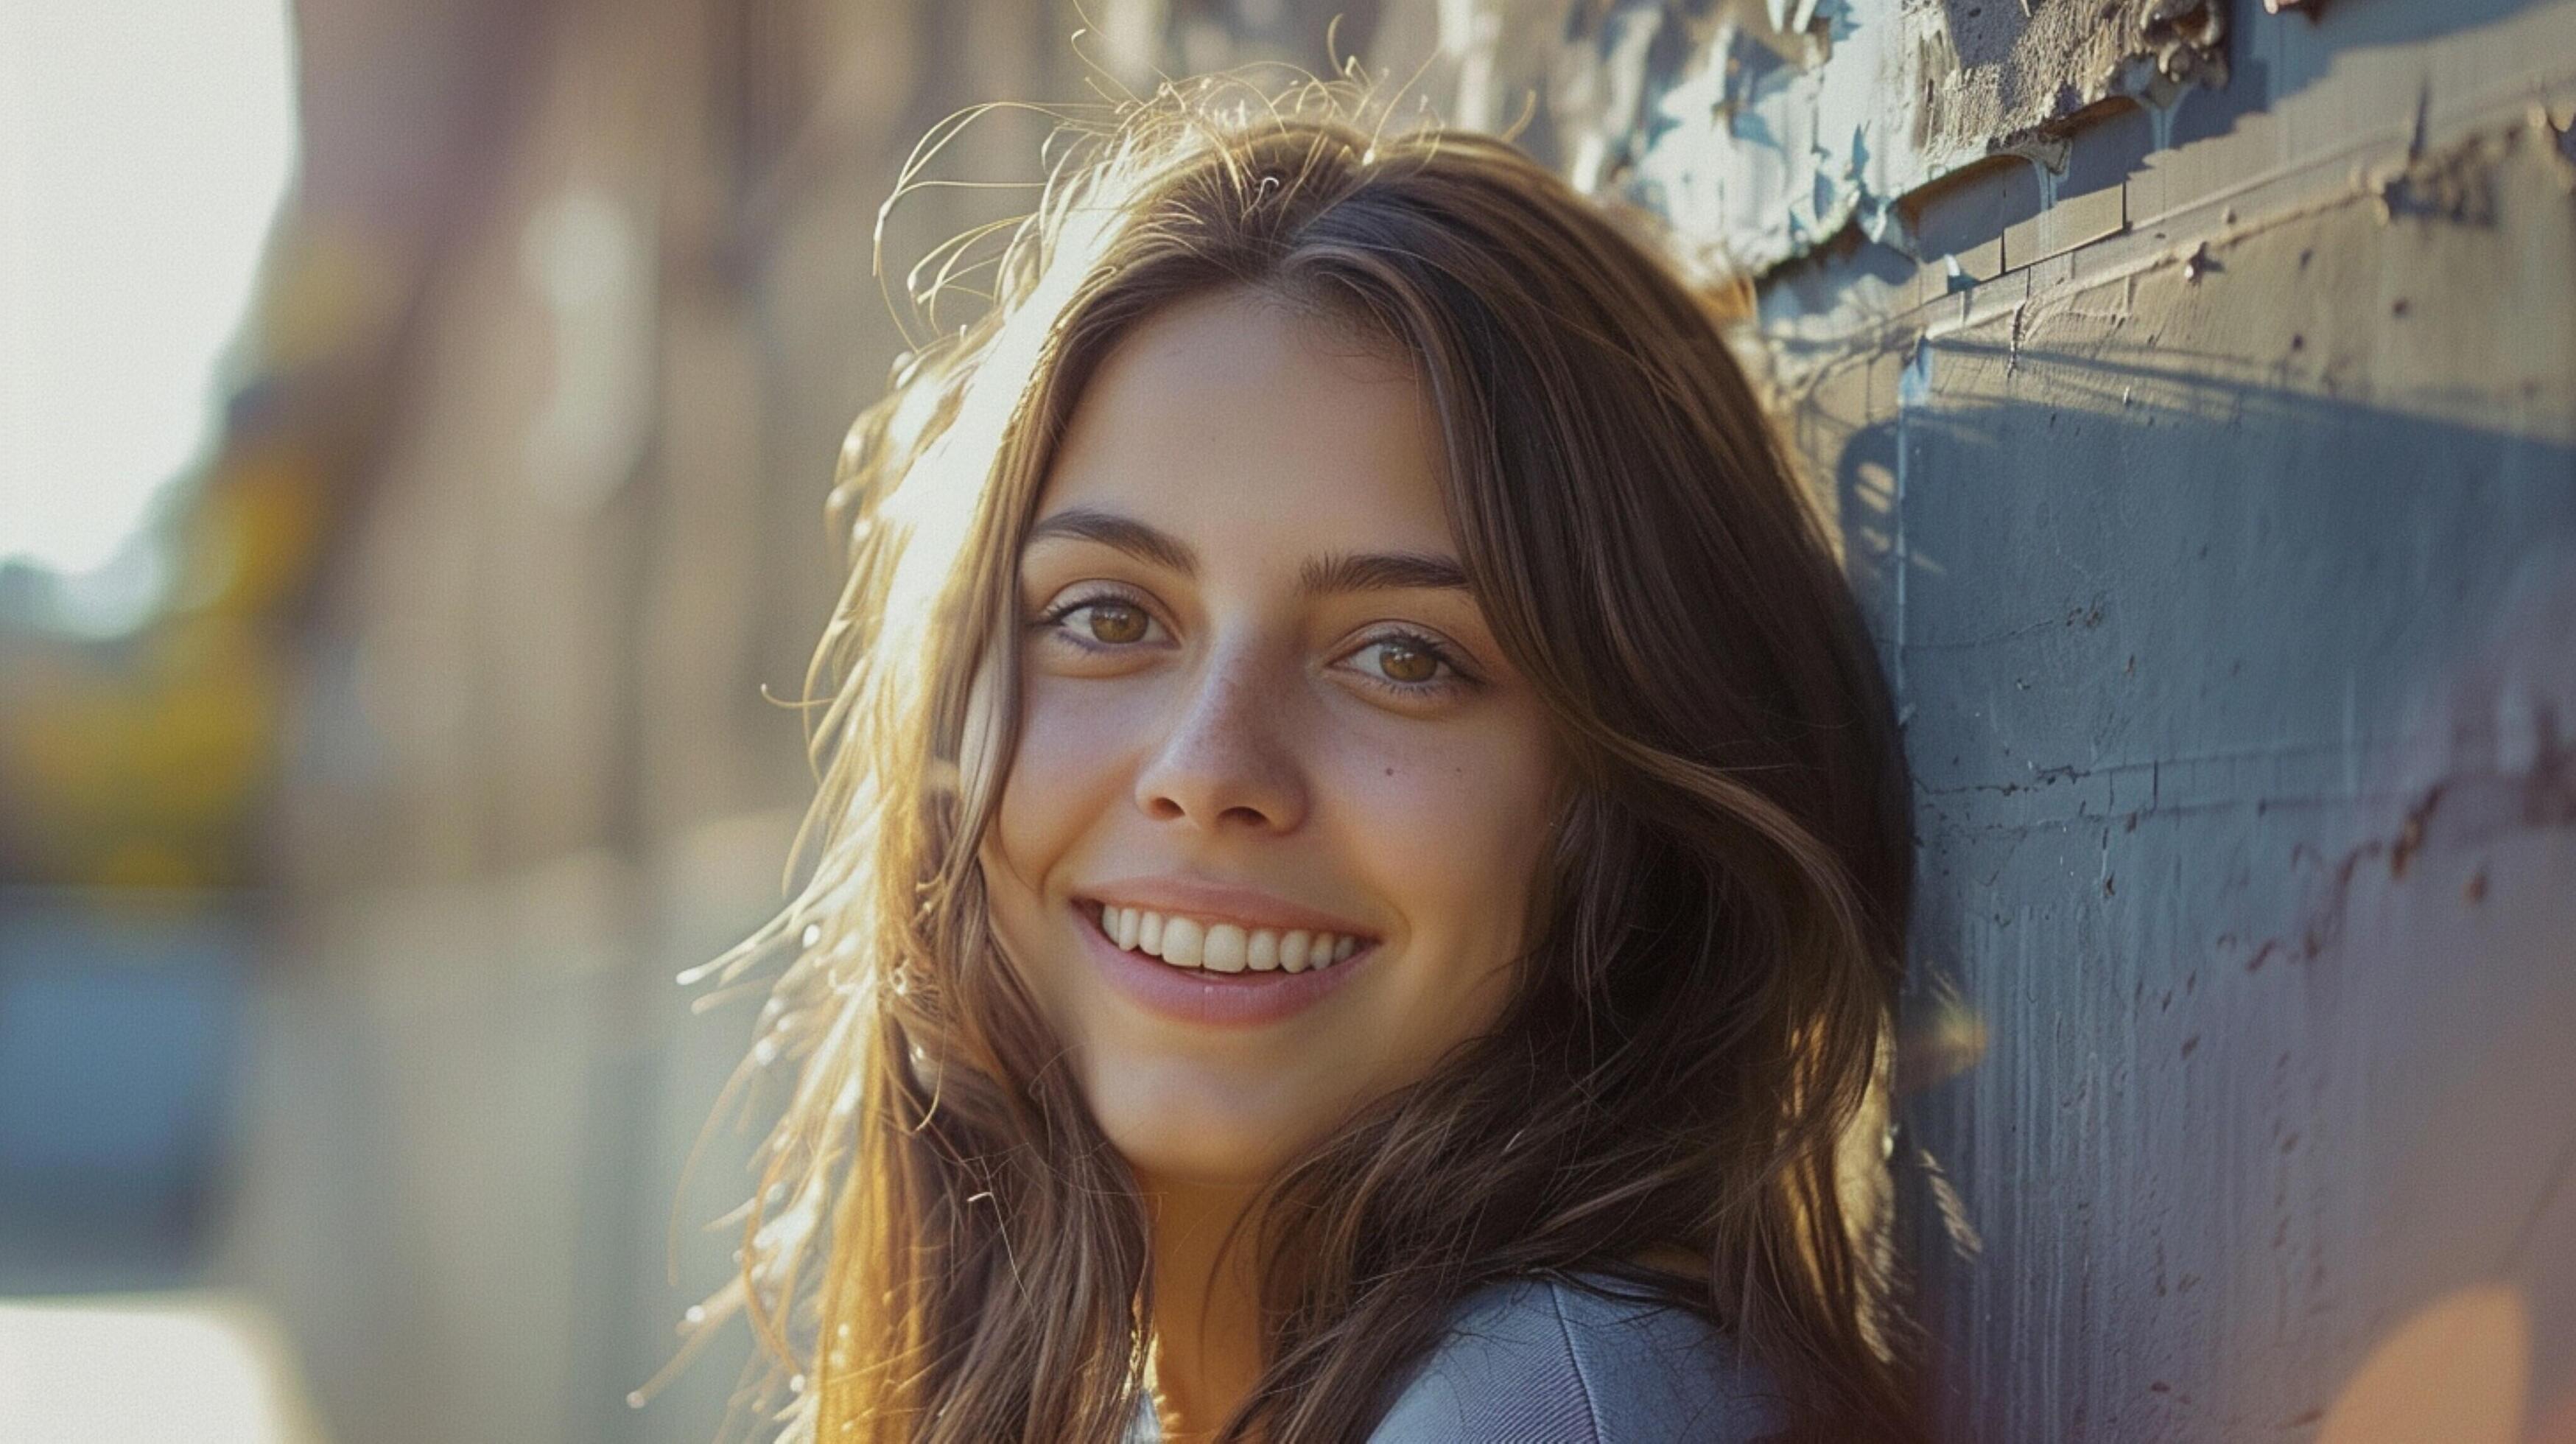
(1763, 128)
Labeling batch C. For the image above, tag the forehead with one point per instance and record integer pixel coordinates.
(1238, 419)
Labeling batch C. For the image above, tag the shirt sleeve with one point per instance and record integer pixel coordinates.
(1537, 1361)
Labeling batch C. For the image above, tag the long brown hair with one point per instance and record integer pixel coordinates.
(944, 1245)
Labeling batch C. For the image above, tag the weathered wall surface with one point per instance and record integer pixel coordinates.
(2203, 440)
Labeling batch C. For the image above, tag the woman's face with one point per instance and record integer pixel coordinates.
(1262, 713)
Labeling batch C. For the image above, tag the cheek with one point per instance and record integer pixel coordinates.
(1063, 776)
(1452, 826)
(1066, 773)
(1450, 831)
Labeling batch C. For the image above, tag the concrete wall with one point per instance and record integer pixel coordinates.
(2195, 388)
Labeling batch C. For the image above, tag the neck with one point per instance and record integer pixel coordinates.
(1207, 1305)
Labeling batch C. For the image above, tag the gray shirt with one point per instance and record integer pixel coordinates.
(1535, 1361)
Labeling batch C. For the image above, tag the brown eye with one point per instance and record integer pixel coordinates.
(1406, 663)
(1116, 622)
(1412, 666)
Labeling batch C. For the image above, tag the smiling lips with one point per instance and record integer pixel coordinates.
(1219, 946)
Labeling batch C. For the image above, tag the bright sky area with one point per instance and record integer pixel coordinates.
(144, 147)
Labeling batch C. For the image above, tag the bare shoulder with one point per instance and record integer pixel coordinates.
(1541, 1360)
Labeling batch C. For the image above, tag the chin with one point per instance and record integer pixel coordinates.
(1170, 1130)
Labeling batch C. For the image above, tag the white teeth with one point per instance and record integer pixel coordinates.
(1225, 948)
(1222, 947)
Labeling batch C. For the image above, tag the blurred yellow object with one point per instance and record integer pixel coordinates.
(160, 759)
(337, 289)
(255, 532)
(208, 1367)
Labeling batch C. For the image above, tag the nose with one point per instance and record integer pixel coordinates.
(1227, 760)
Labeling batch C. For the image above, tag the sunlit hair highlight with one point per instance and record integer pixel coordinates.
(943, 1246)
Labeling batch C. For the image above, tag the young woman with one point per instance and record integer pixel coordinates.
(1361, 863)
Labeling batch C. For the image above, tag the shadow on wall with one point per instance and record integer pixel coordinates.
(2243, 723)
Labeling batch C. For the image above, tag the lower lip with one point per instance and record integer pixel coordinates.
(1220, 1000)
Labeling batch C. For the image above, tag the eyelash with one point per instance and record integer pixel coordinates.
(1052, 620)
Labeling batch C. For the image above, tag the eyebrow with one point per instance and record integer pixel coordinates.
(1320, 576)
(1128, 535)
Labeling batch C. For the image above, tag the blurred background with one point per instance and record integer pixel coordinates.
(416, 423)
(415, 417)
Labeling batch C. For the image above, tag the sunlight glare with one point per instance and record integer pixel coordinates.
(144, 148)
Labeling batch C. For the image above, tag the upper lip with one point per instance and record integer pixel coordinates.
(1200, 898)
